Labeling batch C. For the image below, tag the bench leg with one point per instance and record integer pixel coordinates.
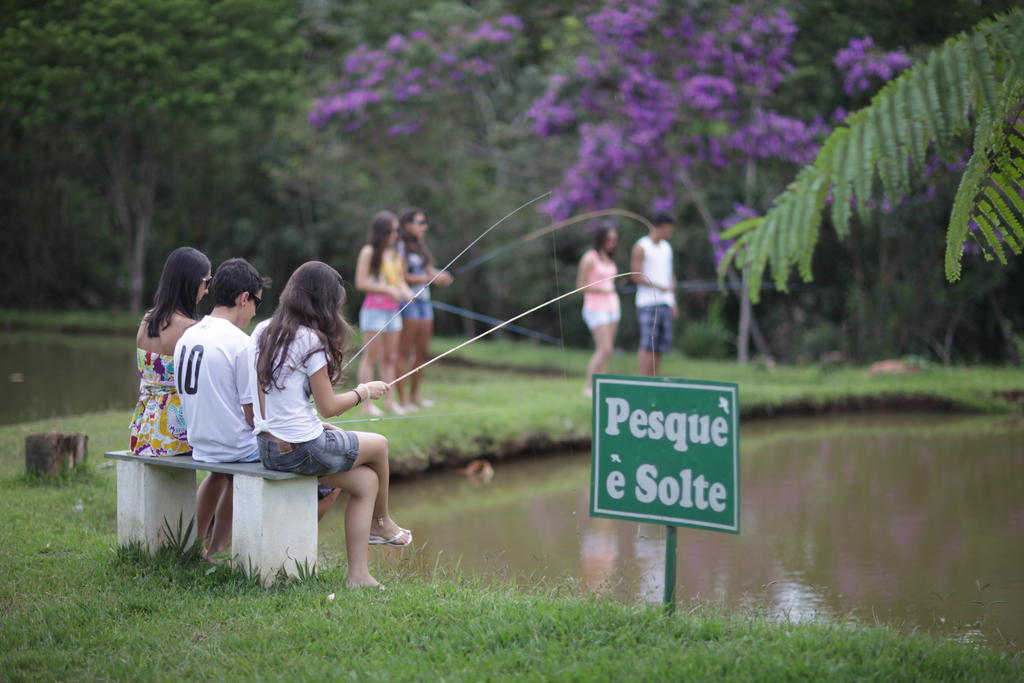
(274, 525)
(149, 498)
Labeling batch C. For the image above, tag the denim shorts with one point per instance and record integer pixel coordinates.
(374, 319)
(333, 451)
(418, 310)
(655, 328)
(595, 319)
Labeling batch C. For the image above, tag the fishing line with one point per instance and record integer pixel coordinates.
(480, 317)
(506, 322)
(468, 247)
(551, 228)
(409, 417)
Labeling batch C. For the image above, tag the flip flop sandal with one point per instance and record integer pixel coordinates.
(380, 540)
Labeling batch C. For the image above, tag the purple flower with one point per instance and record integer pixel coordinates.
(510, 21)
(708, 92)
(397, 43)
(860, 63)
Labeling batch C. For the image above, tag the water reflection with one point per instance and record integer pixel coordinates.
(917, 522)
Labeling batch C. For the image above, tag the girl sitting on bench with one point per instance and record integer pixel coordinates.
(298, 354)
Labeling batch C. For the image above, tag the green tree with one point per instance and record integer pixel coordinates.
(974, 82)
(136, 77)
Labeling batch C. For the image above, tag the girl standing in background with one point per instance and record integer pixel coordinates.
(380, 273)
(601, 302)
(418, 315)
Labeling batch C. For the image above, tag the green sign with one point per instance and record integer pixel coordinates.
(666, 451)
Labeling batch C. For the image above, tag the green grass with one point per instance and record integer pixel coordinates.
(71, 321)
(76, 607)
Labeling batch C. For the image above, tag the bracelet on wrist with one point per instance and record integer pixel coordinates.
(359, 397)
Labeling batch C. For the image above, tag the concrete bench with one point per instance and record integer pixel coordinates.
(274, 525)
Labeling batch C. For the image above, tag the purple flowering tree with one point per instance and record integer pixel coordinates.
(672, 103)
(389, 85)
(434, 117)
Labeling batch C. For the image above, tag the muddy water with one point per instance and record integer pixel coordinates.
(914, 521)
(45, 374)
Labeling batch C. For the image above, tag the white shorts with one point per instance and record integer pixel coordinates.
(595, 319)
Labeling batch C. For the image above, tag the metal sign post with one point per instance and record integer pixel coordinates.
(666, 451)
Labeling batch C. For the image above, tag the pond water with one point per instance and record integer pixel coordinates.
(49, 374)
(917, 522)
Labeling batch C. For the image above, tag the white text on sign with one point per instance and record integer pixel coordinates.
(681, 429)
(688, 491)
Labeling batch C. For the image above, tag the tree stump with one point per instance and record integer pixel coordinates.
(51, 453)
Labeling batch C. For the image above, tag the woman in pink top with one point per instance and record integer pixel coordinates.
(601, 302)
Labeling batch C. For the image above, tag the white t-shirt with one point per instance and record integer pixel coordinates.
(211, 363)
(658, 267)
(289, 412)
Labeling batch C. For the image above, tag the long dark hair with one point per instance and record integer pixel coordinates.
(184, 271)
(380, 233)
(600, 237)
(312, 298)
(412, 242)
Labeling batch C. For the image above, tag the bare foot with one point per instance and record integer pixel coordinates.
(362, 581)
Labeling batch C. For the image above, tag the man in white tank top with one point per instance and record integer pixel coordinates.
(655, 293)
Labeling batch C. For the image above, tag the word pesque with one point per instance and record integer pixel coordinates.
(681, 429)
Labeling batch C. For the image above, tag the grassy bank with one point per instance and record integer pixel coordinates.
(503, 398)
(84, 322)
(75, 607)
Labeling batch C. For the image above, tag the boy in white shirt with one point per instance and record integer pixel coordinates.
(655, 293)
(213, 383)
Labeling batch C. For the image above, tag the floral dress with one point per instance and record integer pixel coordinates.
(158, 424)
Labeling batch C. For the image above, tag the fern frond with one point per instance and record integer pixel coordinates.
(959, 220)
(978, 73)
(892, 166)
(932, 84)
(842, 187)
(864, 171)
(983, 75)
(920, 123)
(743, 226)
(810, 218)
(954, 62)
(987, 221)
(992, 173)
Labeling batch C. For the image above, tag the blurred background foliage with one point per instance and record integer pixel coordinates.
(130, 128)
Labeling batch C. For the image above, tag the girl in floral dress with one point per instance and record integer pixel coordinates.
(158, 424)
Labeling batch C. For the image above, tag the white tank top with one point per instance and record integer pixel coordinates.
(657, 266)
